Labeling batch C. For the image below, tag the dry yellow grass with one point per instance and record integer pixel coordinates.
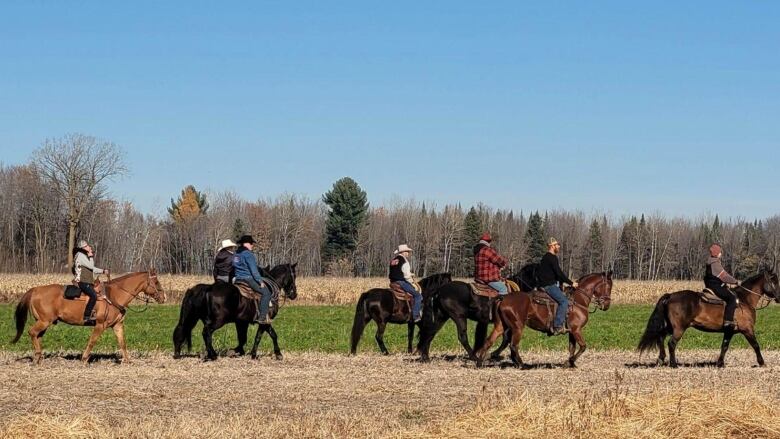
(331, 290)
(327, 396)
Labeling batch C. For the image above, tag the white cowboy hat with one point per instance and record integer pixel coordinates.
(227, 243)
(403, 248)
(82, 244)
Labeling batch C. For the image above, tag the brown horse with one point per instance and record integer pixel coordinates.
(49, 306)
(517, 310)
(676, 312)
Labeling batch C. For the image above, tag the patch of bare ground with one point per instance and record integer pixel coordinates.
(611, 394)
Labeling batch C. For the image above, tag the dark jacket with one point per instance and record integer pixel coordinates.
(549, 271)
(715, 275)
(223, 264)
(245, 265)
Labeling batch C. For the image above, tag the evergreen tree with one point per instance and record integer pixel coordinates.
(190, 205)
(472, 229)
(594, 249)
(347, 213)
(534, 238)
(239, 229)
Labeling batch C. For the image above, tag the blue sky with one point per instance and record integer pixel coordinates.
(607, 106)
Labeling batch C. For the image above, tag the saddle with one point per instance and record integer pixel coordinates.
(540, 297)
(401, 298)
(485, 290)
(247, 291)
(73, 292)
(708, 296)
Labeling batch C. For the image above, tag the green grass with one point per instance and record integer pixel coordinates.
(327, 328)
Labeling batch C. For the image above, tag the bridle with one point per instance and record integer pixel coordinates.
(599, 299)
(276, 287)
(151, 280)
(767, 279)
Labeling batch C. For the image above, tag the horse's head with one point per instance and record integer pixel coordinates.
(285, 276)
(152, 288)
(601, 286)
(770, 286)
(434, 281)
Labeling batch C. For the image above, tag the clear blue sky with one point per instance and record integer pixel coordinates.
(612, 106)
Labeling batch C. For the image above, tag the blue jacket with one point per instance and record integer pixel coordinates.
(245, 264)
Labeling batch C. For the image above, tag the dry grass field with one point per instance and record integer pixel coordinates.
(330, 290)
(611, 395)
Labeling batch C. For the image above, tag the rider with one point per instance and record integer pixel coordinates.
(488, 265)
(246, 271)
(401, 273)
(84, 272)
(715, 278)
(550, 275)
(223, 262)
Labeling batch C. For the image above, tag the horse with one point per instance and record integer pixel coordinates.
(379, 305)
(517, 310)
(676, 312)
(455, 301)
(221, 303)
(49, 306)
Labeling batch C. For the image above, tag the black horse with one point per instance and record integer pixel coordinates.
(455, 301)
(221, 303)
(378, 304)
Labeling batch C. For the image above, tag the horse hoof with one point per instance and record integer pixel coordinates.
(498, 357)
(279, 357)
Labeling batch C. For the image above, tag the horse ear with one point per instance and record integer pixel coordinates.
(294, 265)
(267, 268)
(609, 274)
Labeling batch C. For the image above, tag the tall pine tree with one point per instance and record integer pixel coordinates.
(190, 205)
(594, 249)
(347, 213)
(472, 229)
(534, 238)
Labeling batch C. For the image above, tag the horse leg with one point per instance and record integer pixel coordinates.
(99, 328)
(460, 323)
(496, 355)
(208, 331)
(380, 334)
(576, 336)
(498, 329)
(277, 351)
(724, 346)
(751, 338)
(661, 353)
(514, 352)
(410, 337)
(676, 336)
(425, 342)
(36, 332)
(258, 335)
(242, 327)
(119, 332)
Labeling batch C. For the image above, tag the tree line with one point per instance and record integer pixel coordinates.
(60, 196)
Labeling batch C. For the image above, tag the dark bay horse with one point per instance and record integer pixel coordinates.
(221, 303)
(454, 301)
(676, 312)
(48, 305)
(518, 310)
(378, 304)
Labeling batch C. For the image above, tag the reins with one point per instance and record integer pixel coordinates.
(146, 299)
(581, 291)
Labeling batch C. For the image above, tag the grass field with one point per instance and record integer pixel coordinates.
(326, 329)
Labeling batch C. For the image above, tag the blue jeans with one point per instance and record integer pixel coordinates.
(265, 296)
(89, 290)
(563, 304)
(500, 287)
(417, 303)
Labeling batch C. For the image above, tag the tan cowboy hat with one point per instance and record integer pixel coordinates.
(403, 248)
(551, 242)
(226, 243)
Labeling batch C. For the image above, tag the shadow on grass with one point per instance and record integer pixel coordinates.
(654, 365)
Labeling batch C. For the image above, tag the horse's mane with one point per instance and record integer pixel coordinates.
(126, 275)
(603, 273)
(438, 278)
(754, 278)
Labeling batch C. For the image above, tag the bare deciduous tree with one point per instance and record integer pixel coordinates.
(78, 167)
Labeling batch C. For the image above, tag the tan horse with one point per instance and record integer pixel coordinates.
(49, 306)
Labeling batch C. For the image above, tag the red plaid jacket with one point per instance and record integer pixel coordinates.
(487, 264)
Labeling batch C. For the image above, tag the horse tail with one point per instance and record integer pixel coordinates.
(189, 314)
(20, 316)
(657, 327)
(361, 317)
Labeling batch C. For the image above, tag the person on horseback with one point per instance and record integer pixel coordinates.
(246, 271)
(550, 275)
(223, 262)
(401, 273)
(84, 271)
(716, 278)
(488, 265)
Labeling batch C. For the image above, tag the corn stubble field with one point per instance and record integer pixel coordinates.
(331, 290)
(613, 394)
